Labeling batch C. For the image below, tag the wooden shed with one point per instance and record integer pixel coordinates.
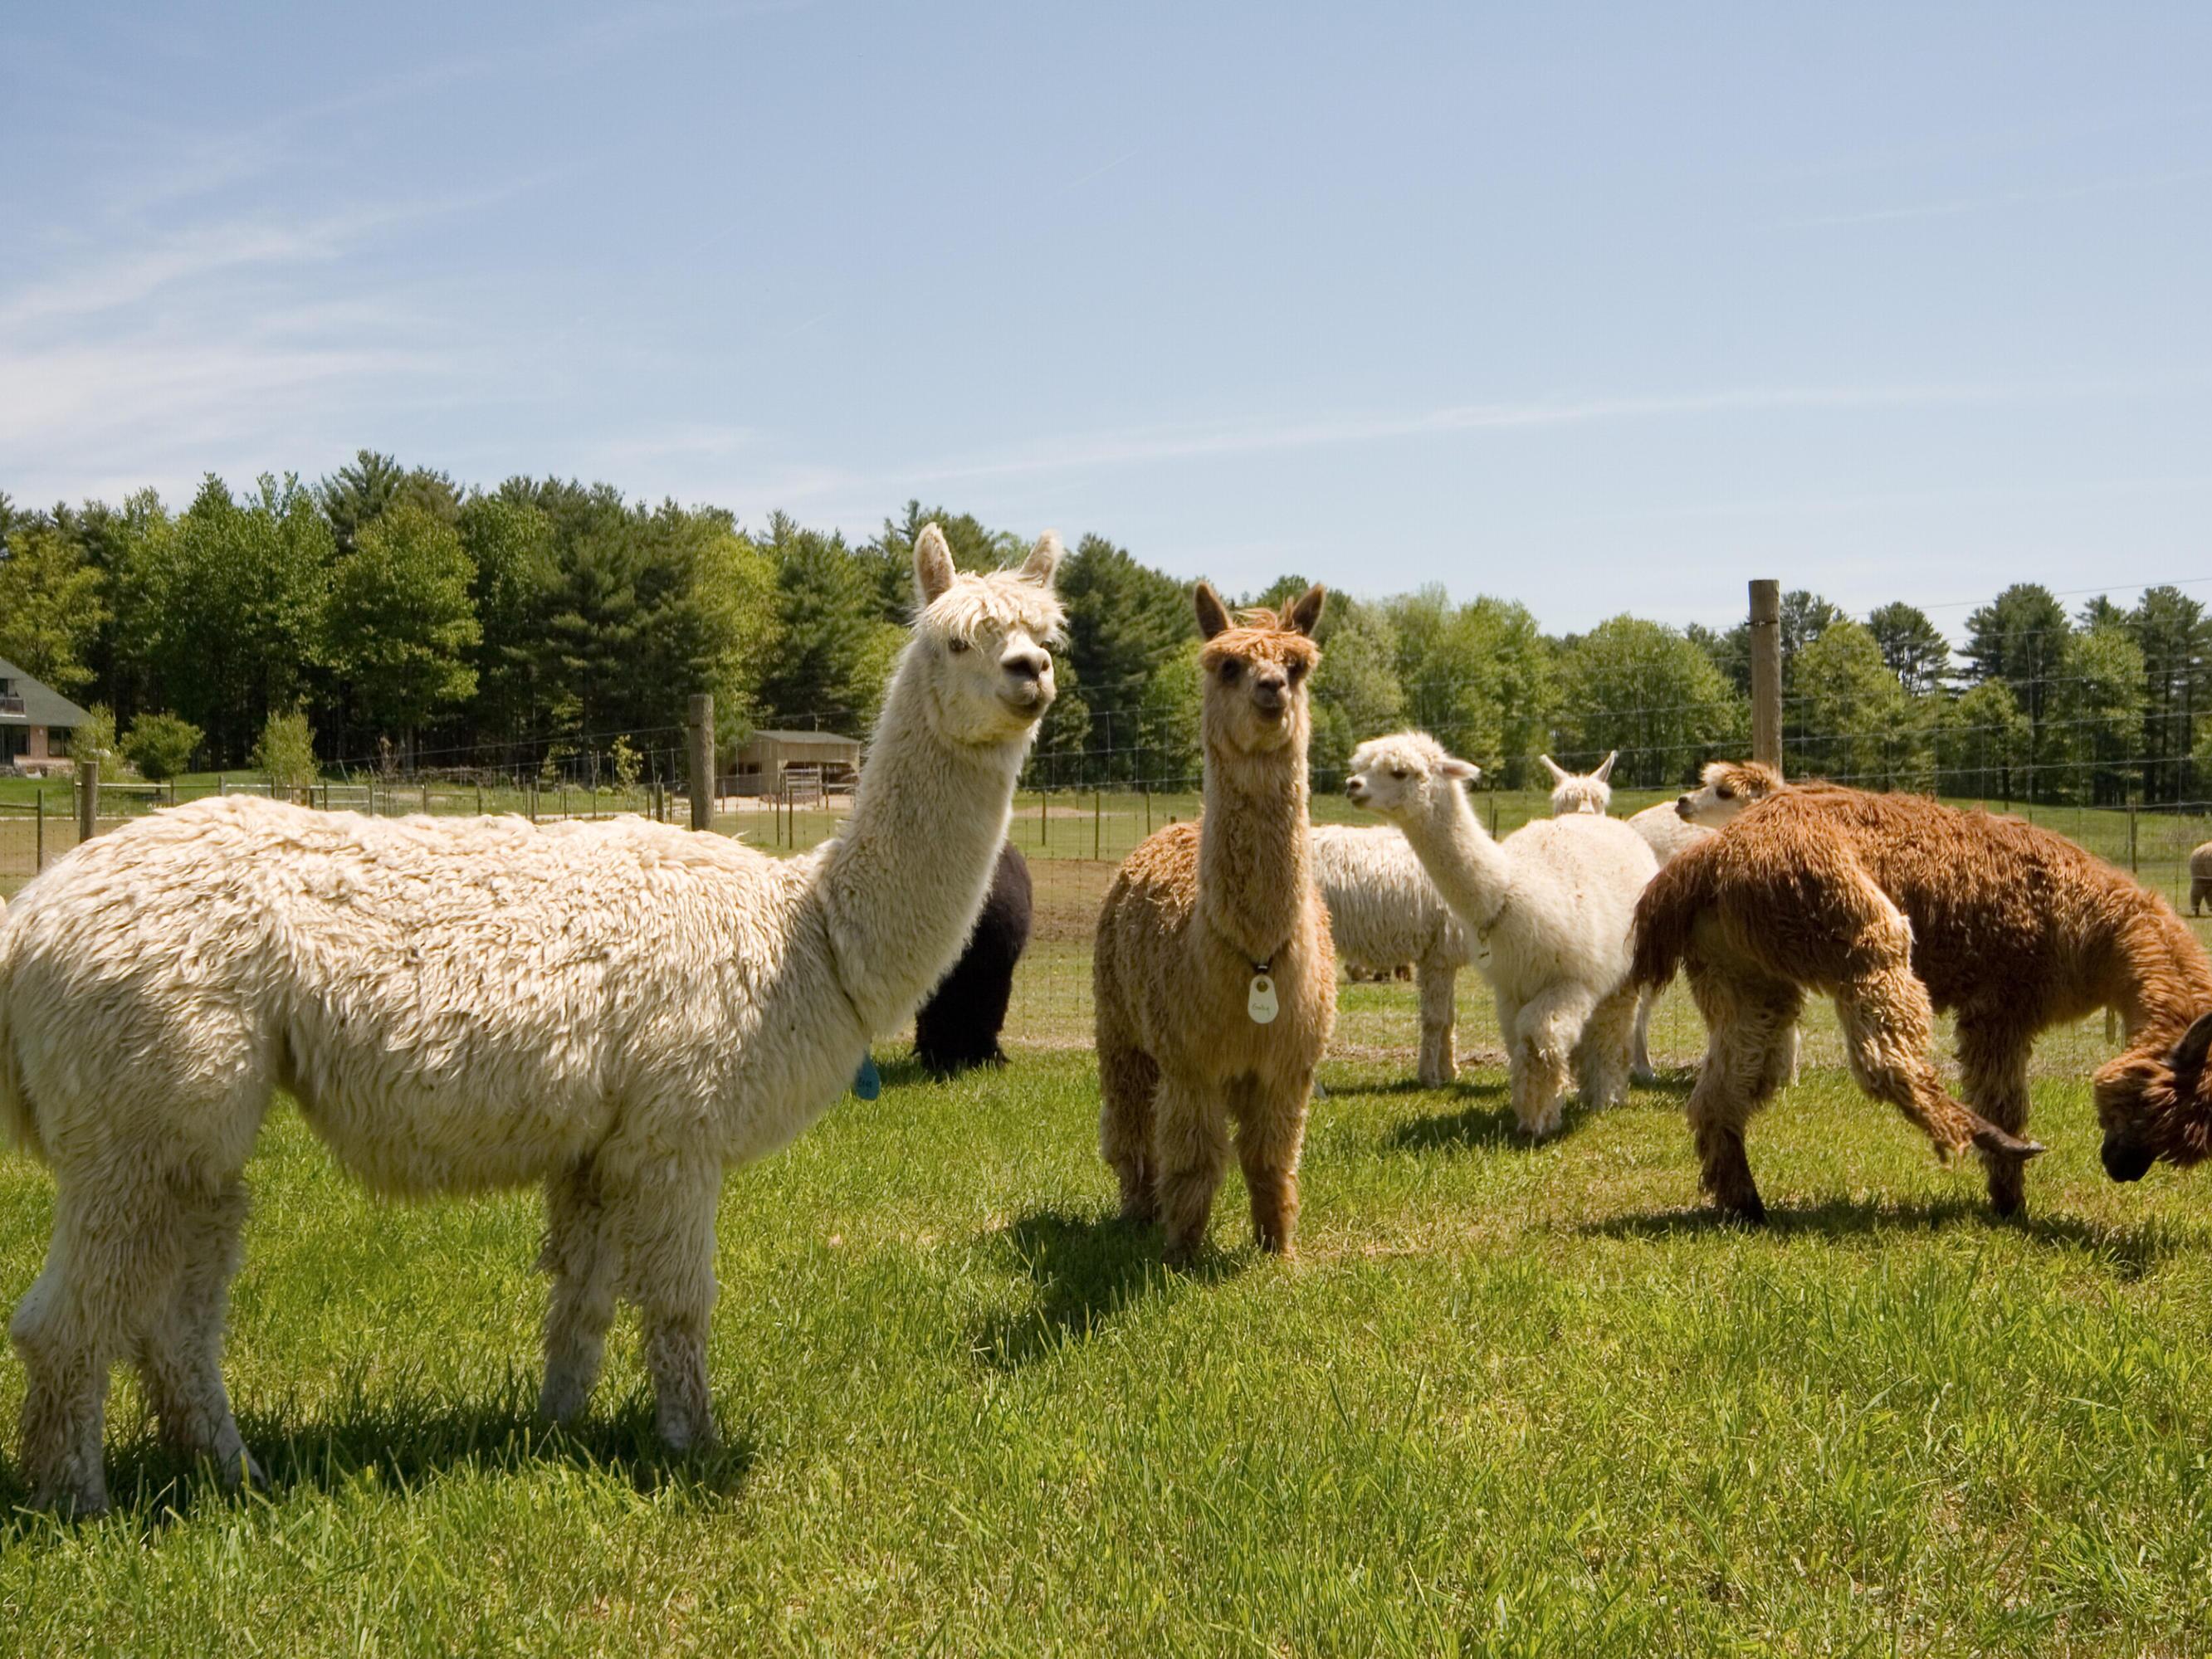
(810, 763)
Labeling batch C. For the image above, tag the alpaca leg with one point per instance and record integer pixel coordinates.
(1129, 1086)
(1270, 1127)
(1889, 1027)
(1190, 1147)
(180, 1353)
(1439, 1065)
(1544, 1040)
(1601, 1057)
(1995, 1064)
(111, 1264)
(664, 1225)
(1640, 1060)
(1749, 1017)
(583, 1261)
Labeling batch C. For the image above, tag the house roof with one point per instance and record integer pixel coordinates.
(804, 739)
(42, 704)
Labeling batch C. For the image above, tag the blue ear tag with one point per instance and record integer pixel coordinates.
(868, 1082)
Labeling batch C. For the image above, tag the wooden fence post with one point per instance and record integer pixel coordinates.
(1097, 809)
(1766, 673)
(87, 798)
(39, 861)
(702, 737)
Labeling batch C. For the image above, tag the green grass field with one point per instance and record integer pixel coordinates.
(1510, 1401)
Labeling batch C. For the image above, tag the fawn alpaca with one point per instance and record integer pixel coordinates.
(1216, 986)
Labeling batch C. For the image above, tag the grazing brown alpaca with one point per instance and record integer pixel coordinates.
(1897, 906)
(1216, 986)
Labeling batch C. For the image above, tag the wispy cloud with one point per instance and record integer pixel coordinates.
(1957, 206)
(127, 275)
(1107, 449)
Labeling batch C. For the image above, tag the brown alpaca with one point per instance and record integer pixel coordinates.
(1897, 906)
(1201, 922)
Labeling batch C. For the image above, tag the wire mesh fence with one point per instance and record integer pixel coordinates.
(1085, 806)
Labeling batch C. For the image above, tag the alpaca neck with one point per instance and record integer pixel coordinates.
(1253, 873)
(2163, 979)
(901, 885)
(1469, 869)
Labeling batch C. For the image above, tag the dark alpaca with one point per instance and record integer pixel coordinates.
(958, 1027)
(1897, 906)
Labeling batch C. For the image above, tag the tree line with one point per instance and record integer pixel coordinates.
(385, 616)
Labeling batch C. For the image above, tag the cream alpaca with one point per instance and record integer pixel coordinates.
(1384, 911)
(1215, 984)
(1581, 791)
(1552, 902)
(1664, 832)
(616, 1010)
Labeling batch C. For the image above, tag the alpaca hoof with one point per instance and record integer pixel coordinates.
(1747, 1214)
(239, 1472)
(81, 1501)
(1179, 1255)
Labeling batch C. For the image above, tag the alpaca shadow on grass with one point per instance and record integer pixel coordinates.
(1087, 1269)
(1490, 1124)
(2134, 1249)
(395, 1444)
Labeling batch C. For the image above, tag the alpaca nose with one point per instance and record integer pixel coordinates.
(1027, 666)
(1267, 690)
(1682, 806)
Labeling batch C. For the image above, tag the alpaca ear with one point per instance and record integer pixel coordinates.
(1461, 771)
(1305, 614)
(932, 564)
(1043, 560)
(1559, 774)
(1605, 767)
(1212, 615)
(2187, 1059)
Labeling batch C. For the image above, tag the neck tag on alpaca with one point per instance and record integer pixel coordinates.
(868, 1082)
(1260, 1001)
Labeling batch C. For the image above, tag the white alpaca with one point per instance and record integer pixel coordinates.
(1553, 901)
(1581, 791)
(1665, 831)
(619, 1010)
(1383, 911)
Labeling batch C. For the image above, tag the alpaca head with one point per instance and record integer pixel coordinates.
(981, 642)
(1404, 775)
(1728, 787)
(1256, 671)
(1585, 791)
(2155, 1103)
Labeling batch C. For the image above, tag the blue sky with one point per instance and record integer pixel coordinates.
(1601, 308)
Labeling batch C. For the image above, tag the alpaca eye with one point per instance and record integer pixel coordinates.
(956, 647)
(1297, 673)
(1230, 670)
(1399, 773)
(1725, 792)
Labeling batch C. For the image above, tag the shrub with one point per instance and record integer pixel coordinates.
(285, 752)
(628, 764)
(95, 738)
(161, 746)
